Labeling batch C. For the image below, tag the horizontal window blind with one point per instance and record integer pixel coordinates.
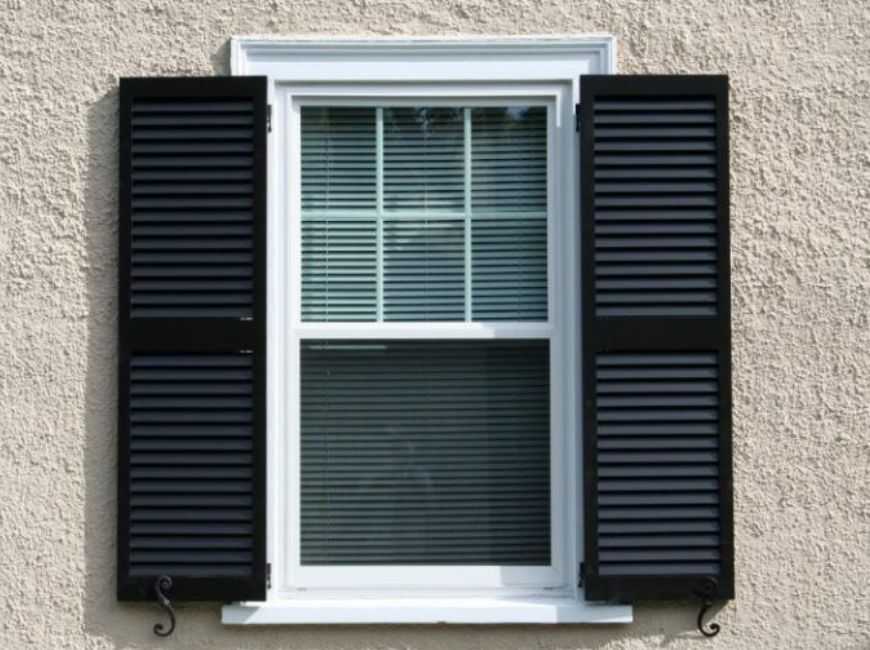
(424, 270)
(424, 159)
(338, 158)
(451, 205)
(509, 277)
(339, 269)
(425, 452)
(509, 159)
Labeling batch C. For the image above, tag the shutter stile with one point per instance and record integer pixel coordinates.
(656, 338)
(192, 338)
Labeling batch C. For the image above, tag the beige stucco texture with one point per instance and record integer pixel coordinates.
(800, 79)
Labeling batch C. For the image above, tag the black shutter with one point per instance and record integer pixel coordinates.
(191, 374)
(656, 338)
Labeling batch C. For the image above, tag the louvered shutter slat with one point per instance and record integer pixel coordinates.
(656, 338)
(192, 333)
(177, 129)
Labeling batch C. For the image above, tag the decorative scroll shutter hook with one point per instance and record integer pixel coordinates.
(706, 591)
(162, 585)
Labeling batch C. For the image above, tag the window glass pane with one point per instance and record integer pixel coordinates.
(419, 452)
(424, 159)
(338, 158)
(339, 269)
(509, 159)
(424, 270)
(509, 278)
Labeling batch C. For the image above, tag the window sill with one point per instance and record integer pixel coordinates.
(466, 610)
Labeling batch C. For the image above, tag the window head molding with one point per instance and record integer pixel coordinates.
(515, 58)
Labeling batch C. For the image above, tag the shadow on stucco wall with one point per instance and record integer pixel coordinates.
(100, 216)
(130, 624)
(103, 617)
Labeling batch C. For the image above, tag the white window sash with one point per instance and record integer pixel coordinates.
(296, 576)
(380, 216)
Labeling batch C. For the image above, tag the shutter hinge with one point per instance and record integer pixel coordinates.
(580, 572)
(269, 117)
(577, 118)
(268, 575)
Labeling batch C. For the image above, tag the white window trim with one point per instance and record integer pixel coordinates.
(477, 70)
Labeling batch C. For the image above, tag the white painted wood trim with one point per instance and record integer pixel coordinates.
(289, 576)
(525, 58)
(331, 69)
(251, 54)
(482, 610)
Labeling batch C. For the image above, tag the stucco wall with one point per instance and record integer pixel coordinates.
(801, 244)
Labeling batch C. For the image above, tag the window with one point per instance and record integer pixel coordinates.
(422, 297)
(426, 451)
(423, 344)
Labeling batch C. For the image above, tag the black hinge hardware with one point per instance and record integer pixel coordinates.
(268, 575)
(580, 571)
(269, 118)
(577, 117)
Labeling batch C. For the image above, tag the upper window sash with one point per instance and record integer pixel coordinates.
(360, 220)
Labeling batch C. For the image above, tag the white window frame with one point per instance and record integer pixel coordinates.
(289, 576)
(542, 71)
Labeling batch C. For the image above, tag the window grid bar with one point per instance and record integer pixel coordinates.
(379, 212)
(368, 330)
(467, 195)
